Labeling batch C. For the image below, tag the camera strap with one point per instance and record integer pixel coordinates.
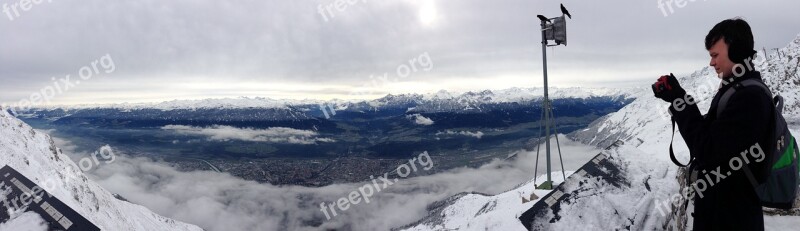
(672, 153)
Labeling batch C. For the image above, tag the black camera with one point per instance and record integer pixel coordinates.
(662, 84)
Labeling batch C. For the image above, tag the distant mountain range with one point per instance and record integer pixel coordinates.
(465, 100)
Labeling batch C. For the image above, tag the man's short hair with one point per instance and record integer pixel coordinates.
(737, 34)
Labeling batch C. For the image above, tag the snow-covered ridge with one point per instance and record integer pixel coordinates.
(484, 96)
(35, 155)
(595, 204)
(517, 94)
(477, 211)
(241, 102)
(645, 120)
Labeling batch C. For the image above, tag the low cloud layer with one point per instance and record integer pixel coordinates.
(476, 134)
(27, 221)
(273, 134)
(419, 119)
(219, 201)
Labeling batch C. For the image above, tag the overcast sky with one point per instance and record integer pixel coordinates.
(190, 49)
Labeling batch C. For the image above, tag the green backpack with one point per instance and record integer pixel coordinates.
(776, 186)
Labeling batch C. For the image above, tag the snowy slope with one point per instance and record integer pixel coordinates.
(475, 211)
(617, 190)
(35, 155)
(594, 205)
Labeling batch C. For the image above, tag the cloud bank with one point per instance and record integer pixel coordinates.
(419, 119)
(221, 202)
(272, 135)
(27, 221)
(477, 134)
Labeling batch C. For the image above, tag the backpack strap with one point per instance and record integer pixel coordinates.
(723, 101)
(750, 176)
(796, 149)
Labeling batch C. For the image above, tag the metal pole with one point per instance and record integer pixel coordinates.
(538, 147)
(555, 130)
(546, 101)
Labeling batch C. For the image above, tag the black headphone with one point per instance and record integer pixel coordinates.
(738, 52)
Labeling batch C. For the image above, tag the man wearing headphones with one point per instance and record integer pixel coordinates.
(730, 202)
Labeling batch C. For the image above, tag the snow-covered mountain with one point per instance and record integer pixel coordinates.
(515, 104)
(646, 117)
(210, 103)
(35, 155)
(487, 99)
(465, 99)
(644, 128)
(594, 203)
(496, 212)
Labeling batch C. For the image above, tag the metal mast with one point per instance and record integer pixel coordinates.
(552, 29)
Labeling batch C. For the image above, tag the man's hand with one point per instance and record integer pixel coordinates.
(668, 89)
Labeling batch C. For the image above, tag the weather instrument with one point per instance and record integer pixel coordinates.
(555, 30)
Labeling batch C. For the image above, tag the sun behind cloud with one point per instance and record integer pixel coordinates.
(428, 13)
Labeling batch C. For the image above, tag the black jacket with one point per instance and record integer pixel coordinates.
(731, 204)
